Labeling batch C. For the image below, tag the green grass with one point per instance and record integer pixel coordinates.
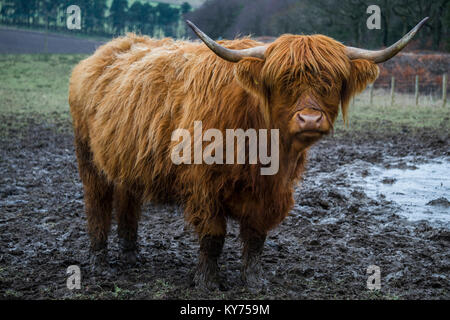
(35, 83)
(38, 85)
(429, 113)
(363, 117)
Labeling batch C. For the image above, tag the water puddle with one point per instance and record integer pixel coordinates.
(421, 190)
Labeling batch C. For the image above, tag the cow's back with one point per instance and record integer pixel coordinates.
(117, 98)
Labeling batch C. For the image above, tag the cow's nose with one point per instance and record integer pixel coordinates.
(310, 119)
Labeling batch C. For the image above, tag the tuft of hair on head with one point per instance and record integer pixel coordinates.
(317, 60)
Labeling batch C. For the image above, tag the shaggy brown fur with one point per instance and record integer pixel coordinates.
(128, 98)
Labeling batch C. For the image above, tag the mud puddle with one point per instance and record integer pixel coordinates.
(421, 190)
(417, 189)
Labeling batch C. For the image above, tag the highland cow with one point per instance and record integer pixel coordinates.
(128, 98)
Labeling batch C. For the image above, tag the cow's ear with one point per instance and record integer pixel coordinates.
(362, 73)
(248, 73)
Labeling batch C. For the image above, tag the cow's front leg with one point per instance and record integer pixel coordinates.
(207, 272)
(253, 244)
(211, 244)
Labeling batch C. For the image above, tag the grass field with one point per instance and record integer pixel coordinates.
(38, 85)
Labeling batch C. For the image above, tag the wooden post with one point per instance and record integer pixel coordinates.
(371, 94)
(417, 90)
(444, 90)
(392, 90)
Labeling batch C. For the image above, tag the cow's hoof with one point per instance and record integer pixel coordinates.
(209, 280)
(99, 261)
(254, 281)
(129, 257)
(128, 252)
(256, 285)
(209, 284)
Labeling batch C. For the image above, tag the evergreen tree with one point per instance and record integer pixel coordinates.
(135, 17)
(167, 18)
(148, 18)
(185, 8)
(118, 15)
(99, 11)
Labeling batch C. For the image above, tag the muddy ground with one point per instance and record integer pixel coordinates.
(321, 251)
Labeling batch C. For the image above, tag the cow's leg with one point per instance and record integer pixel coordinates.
(127, 204)
(253, 243)
(98, 193)
(211, 244)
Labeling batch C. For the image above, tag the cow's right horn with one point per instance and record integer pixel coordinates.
(225, 53)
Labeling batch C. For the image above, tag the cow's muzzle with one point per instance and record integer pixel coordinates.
(311, 122)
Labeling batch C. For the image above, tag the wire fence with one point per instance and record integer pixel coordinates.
(423, 92)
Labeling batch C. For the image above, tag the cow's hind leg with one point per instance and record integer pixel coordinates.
(127, 205)
(253, 244)
(98, 193)
(212, 238)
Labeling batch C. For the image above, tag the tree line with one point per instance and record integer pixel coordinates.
(97, 18)
(344, 20)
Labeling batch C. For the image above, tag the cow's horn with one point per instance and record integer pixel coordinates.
(225, 53)
(380, 56)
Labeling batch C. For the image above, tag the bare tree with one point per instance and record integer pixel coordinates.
(411, 11)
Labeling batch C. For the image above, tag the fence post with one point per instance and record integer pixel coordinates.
(371, 94)
(417, 90)
(444, 90)
(392, 90)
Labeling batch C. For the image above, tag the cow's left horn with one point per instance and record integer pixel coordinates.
(385, 54)
(225, 53)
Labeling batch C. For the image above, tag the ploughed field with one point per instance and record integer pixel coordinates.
(337, 229)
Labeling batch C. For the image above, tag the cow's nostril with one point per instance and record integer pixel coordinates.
(319, 117)
(310, 119)
(300, 118)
